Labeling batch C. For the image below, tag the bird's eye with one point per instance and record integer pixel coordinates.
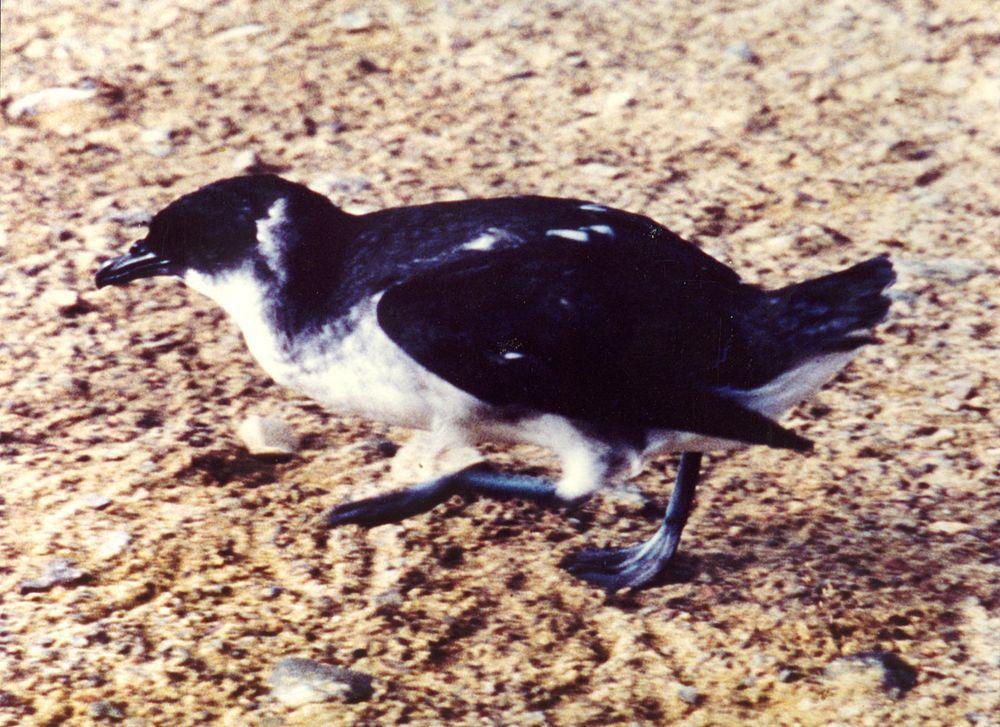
(138, 249)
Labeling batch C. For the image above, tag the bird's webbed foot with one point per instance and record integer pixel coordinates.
(638, 565)
(630, 567)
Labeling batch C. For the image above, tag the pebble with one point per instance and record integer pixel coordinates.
(897, 677)
(267, 436)
(787, 676)
(106, 711)
(272, 592)
(96, 501)
(132, 217)
(689, 695)
(58, 572)
(948, 527)
(296, 681)
(239, 32)
(598, 169)
(158, 140)
(246, 161)
(354, 21)
(953, 271)
(48, 99)
(330, 184)
(113, 544)
(617, 100)
(59, 300)
(744, 52)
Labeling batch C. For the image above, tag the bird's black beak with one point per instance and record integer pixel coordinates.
(139, 262)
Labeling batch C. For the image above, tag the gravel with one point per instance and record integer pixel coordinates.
(884, 539)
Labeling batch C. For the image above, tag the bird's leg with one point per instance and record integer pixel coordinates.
(637, 565)
(479, 479)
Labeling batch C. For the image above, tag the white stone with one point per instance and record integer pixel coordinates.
(113, 544)
(296, 682)
(245, 161)
(355, 21)
(239, 32)
(267, 436)
(947, 527)
(48, 99)
(59, 300)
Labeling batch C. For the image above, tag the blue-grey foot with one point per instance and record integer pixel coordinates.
(478, 480)
(638, 565)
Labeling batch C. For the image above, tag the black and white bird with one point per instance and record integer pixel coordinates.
(593, 332)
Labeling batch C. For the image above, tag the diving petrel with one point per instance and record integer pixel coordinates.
(593, 332)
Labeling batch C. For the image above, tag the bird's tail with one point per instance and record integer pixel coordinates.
(833, 313)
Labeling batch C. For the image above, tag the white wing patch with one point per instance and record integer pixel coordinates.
(269, 239)
(582, 234)
(576, 235)
(513, 355)
(593, 208)
(483, 242)
(489, 240)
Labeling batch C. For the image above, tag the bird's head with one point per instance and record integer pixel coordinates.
(248, 225)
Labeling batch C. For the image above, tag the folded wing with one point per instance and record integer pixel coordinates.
(622, 332)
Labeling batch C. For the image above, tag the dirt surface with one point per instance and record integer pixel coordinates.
(787, 138)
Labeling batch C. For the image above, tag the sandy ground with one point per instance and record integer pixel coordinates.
(787, 138)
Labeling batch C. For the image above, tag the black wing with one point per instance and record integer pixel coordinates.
(634, 332)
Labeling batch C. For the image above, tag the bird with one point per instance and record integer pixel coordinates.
(593, 332)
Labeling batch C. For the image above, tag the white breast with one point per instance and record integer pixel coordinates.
(353, 366)
(350, 366)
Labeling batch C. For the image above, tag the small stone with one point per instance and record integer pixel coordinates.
(96, 501)
(788, 675)
(617, 100)
(953, 271)
(246, 161)
(240, 32)
(344, 184)
(391, 597)
(744, 52)
(60, 300)
(132, 217)
(158, 140)
(267, 437)
(113, 544)
(58, 572)
(897, 677)
(354, 21)
(106, 711)
(778, 245)
(71, 384)
(947, 527)
(48, 99)
(296, 681)
(689, 695)
(597, 169)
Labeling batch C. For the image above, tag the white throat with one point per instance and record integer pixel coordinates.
(245, 300)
